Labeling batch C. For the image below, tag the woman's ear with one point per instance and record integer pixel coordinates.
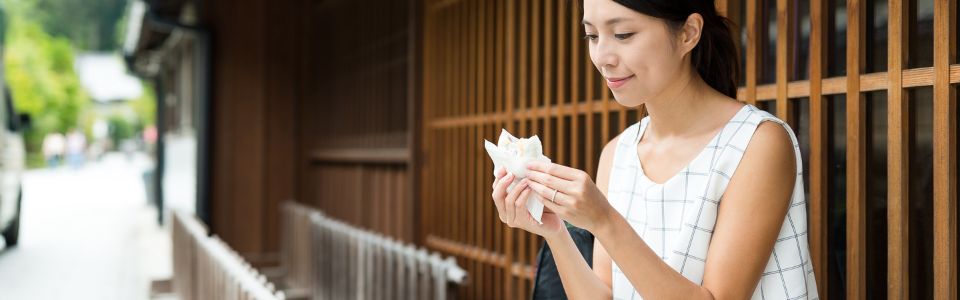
(690, 33)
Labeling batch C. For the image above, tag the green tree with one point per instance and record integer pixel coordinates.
(90, 24)
(39, 72)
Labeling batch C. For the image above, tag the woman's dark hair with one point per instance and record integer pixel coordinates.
(715, 56)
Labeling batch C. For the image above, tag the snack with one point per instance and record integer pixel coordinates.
(513, 154)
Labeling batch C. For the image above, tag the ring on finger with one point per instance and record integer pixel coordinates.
(552, 199)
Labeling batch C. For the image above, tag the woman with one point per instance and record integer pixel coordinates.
(702, 199)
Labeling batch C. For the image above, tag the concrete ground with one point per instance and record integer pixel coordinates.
(86, 233)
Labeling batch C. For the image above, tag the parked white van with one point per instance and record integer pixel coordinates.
(12, 163)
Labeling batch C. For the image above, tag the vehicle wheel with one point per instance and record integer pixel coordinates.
(12, 234)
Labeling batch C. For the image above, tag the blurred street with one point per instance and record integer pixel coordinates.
(87, 233)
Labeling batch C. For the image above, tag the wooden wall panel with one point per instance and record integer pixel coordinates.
(239, 125)
(356, 113)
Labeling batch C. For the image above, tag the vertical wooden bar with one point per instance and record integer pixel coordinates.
(753, 30)
(723, 7)
(818, 147)
(479, 32)
(898, 156)
(575, 63)
(536, 48)
(785, 40)
(456, 196)
(856, 154)
(510, 89)
(944, 151)
(536, 101)
(549, 48)
(495, 86)
(562, 46)
(525, 101)
(472, 129)
(590, 80)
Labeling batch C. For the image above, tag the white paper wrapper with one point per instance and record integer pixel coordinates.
(513, 154)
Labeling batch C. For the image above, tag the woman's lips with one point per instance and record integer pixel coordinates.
(618, 82)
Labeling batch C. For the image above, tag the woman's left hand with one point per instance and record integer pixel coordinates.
(575, 198)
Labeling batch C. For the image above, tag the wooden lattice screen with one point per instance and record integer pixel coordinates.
(880, 148)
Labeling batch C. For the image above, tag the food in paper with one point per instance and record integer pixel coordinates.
(513, 154)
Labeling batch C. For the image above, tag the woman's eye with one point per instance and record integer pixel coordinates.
(623, 36)
(590, 37)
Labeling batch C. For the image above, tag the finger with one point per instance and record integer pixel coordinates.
(546, 193)
(520, 204)
(510, 211)
(499, 172)
(500, 192)
(554, 169)
(550, 206)
(550, 181)
(522, 213)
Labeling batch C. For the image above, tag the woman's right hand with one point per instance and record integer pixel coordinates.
(512, 207)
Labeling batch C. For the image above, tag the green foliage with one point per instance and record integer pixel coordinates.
(145, 107)
(90, 24)
(39, 72)
(120, 129)
(39, 40)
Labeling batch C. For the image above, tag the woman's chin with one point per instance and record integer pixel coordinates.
(627, 100)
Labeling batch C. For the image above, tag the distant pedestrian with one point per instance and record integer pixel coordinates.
(76, 148)
(54, 146)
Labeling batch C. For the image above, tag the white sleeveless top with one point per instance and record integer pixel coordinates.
(676, 218)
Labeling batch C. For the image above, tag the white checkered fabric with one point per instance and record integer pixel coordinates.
(676, 218)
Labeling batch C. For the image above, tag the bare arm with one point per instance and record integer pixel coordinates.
(579, 282)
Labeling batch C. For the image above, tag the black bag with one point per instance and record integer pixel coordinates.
(546, 283)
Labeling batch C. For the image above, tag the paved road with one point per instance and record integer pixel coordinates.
(86, 234)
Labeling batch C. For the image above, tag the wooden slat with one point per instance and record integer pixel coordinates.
(536, 100)
(722, 7)
(562, 75)
(361, 156)
(479, 13)
(856, 154)
(527, 89)
(459, 210)
(508, 235)
(818, 147)
(752, 51)
(496, 19)
(524, 17)
(944, 152)
(898, 155)
(576, 60)
(785, 41)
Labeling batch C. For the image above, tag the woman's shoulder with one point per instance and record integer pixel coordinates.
(771, 148)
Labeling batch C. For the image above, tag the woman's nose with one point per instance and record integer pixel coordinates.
(606, 54)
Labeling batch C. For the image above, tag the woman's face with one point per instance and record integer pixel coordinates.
(636, 54)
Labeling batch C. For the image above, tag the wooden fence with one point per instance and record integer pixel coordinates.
(325, 258)
(205, 267)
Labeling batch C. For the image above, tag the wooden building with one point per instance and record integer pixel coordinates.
(374, 111)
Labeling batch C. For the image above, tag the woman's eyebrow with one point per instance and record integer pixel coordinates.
(608, 22)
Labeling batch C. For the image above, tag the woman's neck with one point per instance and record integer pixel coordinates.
(673, 111)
